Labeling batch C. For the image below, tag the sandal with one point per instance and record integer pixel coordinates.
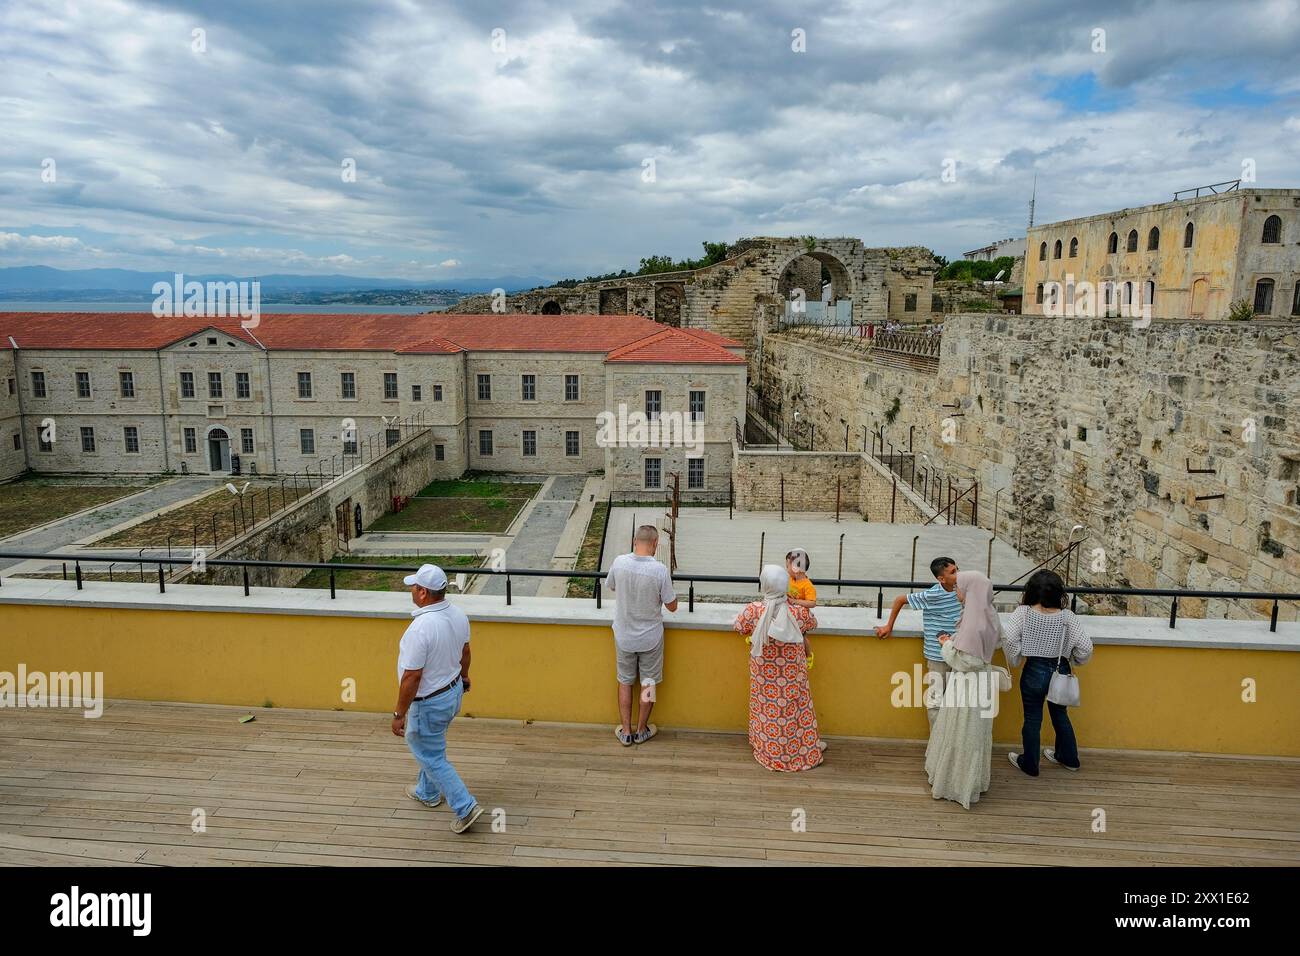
(624, 739)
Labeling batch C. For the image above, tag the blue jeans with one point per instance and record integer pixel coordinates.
(426, 734)
(1034, 680)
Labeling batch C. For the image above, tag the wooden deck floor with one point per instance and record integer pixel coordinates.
(309, 787)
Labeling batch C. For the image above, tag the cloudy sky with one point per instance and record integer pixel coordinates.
(576, 137)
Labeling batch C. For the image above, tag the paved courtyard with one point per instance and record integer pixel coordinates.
(710, 543)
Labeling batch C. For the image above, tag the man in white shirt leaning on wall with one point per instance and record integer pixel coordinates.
(433, 678)
(641, 586)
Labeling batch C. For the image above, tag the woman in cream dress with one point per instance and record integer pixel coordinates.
(960, 751)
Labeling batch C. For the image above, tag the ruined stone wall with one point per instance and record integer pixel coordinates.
(306, 531)
(1092, 422)
(818, 481)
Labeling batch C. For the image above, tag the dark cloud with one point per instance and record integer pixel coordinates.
(528, 157)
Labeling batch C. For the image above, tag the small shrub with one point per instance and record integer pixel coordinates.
(1241, 311)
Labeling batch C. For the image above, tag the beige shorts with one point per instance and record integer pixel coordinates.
(644, 664)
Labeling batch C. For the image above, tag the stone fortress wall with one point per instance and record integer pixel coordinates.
(1093, 422)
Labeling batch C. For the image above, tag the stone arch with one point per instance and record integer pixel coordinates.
(797, 270)
(551, 307)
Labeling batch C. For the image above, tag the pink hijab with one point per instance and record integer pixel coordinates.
(979, 630)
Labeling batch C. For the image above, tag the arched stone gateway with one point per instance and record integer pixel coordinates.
(551, 307)
(821, 281)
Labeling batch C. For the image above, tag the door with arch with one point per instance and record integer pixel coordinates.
(1200, 292)
(218, 450)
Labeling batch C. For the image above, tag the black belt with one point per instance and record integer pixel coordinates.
(441, 690)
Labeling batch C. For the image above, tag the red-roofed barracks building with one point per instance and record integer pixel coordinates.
(132, 393)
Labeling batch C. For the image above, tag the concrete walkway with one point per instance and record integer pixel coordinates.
(710, 543)
(87, 525)
(536, 541)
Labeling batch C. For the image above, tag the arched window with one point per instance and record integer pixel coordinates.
(1074, 247)
(1187, 236)
(1272, 229)
(1056, 250)
(1042, 253)
(1148, 293)
(1112, 244)
(1109, 289)
(1055, 294)
(1127, 294)
(1264, 297)
(1153, 239)
(1132, 240)
(1038, 295)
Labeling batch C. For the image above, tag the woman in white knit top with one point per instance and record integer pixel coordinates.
(1045, 635)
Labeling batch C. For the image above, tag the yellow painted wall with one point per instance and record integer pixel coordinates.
(1134, 697)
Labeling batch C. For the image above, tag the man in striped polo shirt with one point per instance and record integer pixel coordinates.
(940, 611)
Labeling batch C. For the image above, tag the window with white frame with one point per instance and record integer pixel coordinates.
(243, 387)
(215, 388)
(390, 386)
(654, 400)
(528, 388)
(304, 384)
(246, 441)
(348, 385)
(571, 389)
(654, 468)
(126, 384)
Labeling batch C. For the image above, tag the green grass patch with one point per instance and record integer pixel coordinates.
(489, 515)
(589, 553)
(29, 502)
(477, 488)
(364, 580)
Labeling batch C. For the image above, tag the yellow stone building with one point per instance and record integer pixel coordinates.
(1188, 259)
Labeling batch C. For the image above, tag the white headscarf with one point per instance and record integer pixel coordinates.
(777, 622)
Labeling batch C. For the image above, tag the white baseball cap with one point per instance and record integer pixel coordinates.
(430, 577)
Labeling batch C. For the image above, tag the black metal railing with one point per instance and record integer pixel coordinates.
(691, 579)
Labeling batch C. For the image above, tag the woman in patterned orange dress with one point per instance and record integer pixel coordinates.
(782, 725)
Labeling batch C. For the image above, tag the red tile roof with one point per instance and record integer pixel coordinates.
(674, 345)
(410, 334)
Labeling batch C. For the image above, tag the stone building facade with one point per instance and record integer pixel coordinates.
(1177, 446)
(1189, 259)
(97, 392)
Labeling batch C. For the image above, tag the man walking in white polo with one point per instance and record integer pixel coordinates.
(433, 677)
(641, 587)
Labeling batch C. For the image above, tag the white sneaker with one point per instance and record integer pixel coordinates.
(435, 802)
(1050, 754)
(1015, 761)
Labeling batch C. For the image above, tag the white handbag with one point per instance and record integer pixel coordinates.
(1064, 688)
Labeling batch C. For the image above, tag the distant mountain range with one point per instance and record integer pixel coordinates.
(45, 284)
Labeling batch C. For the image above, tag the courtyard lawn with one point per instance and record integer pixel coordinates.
(589, 554)
(478, 488)
(179, 523)
(384, 580)
(492, 515)
(29, 502)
